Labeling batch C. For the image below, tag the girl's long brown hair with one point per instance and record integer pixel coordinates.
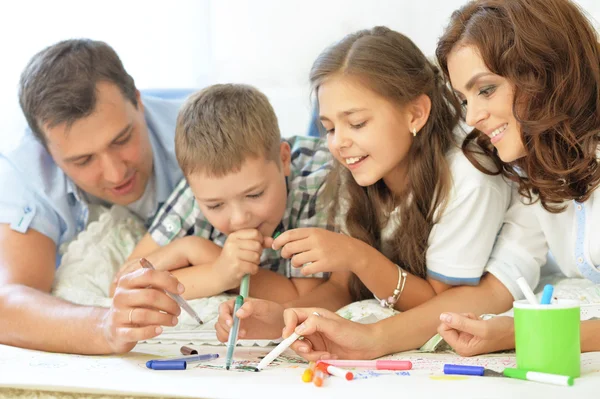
(550, 52)
(391, 65)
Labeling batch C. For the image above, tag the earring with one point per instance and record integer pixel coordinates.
(414, 131)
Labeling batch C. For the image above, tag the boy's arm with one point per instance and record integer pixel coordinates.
(331, 294)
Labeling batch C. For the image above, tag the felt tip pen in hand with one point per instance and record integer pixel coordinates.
(177, 298)
(233, 334)
(547, 294)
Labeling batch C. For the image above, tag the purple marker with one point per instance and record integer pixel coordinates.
(462, 369)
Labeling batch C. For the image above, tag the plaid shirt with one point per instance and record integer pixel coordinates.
(310, 163)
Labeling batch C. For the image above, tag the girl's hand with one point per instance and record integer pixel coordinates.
(319, 250)
(329, 336)
(470, 336)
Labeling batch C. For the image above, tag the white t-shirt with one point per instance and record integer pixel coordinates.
(529, 232)
(460, 244)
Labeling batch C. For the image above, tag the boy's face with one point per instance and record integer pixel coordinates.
(255, 197)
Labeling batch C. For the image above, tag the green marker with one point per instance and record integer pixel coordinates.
(233, 334)
(539, 377)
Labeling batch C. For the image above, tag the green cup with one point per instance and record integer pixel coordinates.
(547, 337)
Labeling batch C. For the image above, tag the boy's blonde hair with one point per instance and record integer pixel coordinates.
(221, 126)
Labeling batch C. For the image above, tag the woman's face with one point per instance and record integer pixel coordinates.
(488, 99)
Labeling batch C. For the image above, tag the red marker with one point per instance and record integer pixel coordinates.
(335, 371)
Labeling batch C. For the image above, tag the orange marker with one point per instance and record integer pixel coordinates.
(319, 378)
(335, 371)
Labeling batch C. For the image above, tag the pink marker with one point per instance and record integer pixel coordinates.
(371, 364)
(335, 371)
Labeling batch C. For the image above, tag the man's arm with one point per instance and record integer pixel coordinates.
(27, 264)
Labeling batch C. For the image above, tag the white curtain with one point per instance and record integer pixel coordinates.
(186, 43)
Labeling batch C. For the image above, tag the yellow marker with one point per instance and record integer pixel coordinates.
(307, 376)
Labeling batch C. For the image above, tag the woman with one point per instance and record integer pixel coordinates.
(528, 74)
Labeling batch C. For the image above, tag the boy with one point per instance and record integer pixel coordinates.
(243, 185)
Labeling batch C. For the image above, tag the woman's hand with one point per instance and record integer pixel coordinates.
(470, 336)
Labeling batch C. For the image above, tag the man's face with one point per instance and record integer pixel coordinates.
(108, 153)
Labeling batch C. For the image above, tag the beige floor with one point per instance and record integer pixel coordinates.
(10, 393)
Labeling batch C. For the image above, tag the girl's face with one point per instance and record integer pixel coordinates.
(488, 99)
(366, 133)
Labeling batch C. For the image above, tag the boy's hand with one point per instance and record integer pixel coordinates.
(470, 336)
(259, 319)
(139, 308)
(240, 256)
(319, 250)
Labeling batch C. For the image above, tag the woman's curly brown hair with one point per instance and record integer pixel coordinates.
(550, 52)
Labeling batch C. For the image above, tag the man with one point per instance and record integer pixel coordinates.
(93, 141)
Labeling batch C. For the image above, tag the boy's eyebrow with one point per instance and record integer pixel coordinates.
(120, 135)
(246, 191)
(343, 113)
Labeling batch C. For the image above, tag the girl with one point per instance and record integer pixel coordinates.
(416, 217)
(528, 73)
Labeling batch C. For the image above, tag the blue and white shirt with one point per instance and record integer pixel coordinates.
(37, 194)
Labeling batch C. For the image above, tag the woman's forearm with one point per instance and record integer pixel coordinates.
(411, 329)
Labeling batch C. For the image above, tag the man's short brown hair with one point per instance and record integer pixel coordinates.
(221, 126)
(59, 83)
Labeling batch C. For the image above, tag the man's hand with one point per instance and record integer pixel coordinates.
(140, 307)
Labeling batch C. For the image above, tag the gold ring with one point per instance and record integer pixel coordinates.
(130, 314)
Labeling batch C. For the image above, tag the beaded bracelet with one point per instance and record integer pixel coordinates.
(392, 300)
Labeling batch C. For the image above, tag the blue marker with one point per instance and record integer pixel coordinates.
(176, 363)
(166, 364)
(547, 294)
